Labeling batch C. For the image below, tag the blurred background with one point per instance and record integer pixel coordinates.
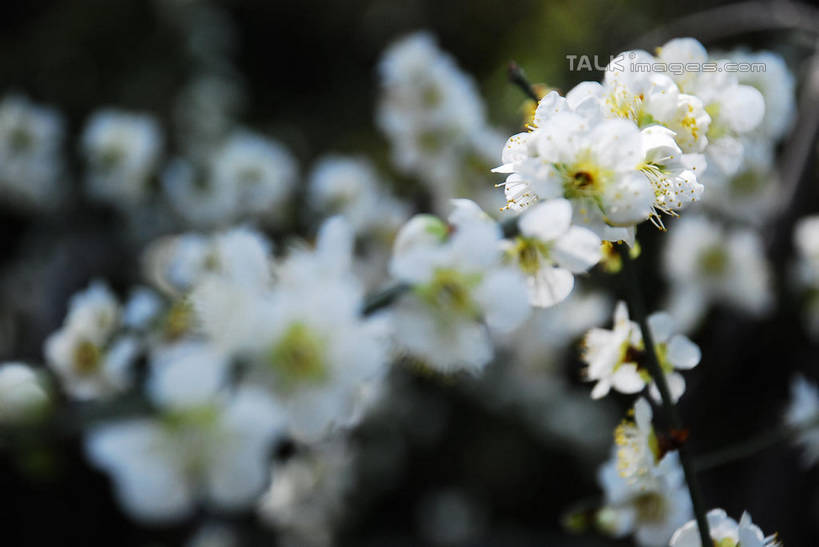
(447, 462)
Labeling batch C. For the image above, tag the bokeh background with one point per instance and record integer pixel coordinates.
(444, 456)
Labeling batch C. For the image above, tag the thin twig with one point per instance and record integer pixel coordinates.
(383, 298)
(673, 420)
(517, 77)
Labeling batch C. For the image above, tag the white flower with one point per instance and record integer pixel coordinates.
(176, 264)
(735, 109)
(254, 174)
(617, 358)
(753, 192)
(803, 414)
(646, 98)
(550, 251)
(461, 291)
(122, 150)
(88, 355)
(434, 118)
(30, 140)
(24, 394)
(706, 263)
(645, 491)
(205, 445)
(303, 336)
(724, 531)
(806, 269)
(672, 173)
(307, 494)
(777, 85)
(594, 164)
(351, 187)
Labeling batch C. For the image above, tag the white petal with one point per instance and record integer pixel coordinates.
(549, 286)
(683, 353)
(578, 249)
(547, 220)
(627, 380)
(503, 297)
(662, 326)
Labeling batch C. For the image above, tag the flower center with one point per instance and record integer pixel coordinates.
(450, 290)
(650, 507)
(714, 261)
(298, 358)
(87, 357)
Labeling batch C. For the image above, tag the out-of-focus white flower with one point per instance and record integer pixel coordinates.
(725, 532)
(249, 175)
(122, 150)
(306, 495)
(461, 290)
(351, 187)
(433, 116)
(207, 444)
(803, 414)
(176, 264)
(706, 263)
(549, 251)
(142, 308)
(616, 357)
(645, 491)
(806, 269)
(750, 195)
(24, 394)
(30, 140)
(87, 353)
(777, 85)
(303, 337)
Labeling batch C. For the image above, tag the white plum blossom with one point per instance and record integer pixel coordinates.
(122, 150)
(725, 532)
(307, 492)
(752, 194)
(802, 415)
(647, 98)
(706, 263)
(777, 85)
(806, 269)
(31, 138)
(550, 251)
(460, 291)
(616, 358)
(596, 165)
(351, 187)
(303, 336)
(434, 118)
(248, 176)
(207, 444)
(645, 491)
(735, 109)
(89, 354)
(24, 394)
(176, 264)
